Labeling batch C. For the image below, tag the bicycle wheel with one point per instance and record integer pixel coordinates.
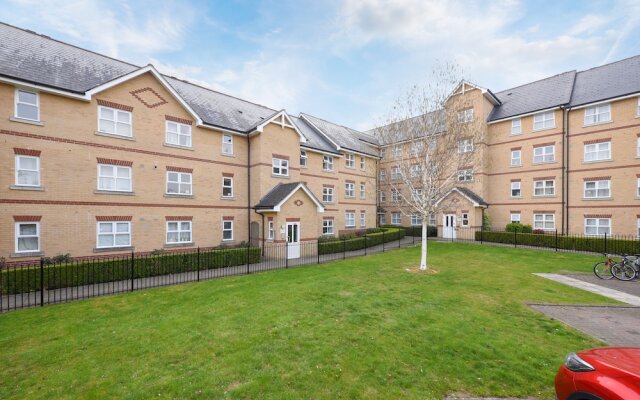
(603, 270)
(623, 271)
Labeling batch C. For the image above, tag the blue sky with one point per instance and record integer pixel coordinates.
(345, 61)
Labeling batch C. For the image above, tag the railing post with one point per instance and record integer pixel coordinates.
(41, 282)
(365, 244)
(482, 234)
(248, 272)
(344, 248)
(286, 254)
(132, 262)
(198, 266)
(515, 238)
(318, 250)
(383, 241)
(605, 242)
(556, 240)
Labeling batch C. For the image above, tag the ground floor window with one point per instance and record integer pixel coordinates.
(416, 220)
(597, 226)
(114, 234)
(271, 231)
(363, 219)
(544, 221)
(515, 218)
(638, 230)
(432, 219)
(227, 230)
(27, 237)
(395, 218)
(465, 219)
(178, 232)
(350, 219)
(327, 227)
(382, 219)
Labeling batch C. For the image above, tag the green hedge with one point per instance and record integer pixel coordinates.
(576, 243)
(432, 230)
(373, 239)
(21, 280)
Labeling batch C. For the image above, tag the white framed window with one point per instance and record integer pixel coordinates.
(395, 173)
(597, 114)
(638, 188)
(465, 175)
(465, 146)
(544, 221)
(383, 175)
(416, 195)
(545, 120)
(303, 158)
(349, 189)
(396, 151)
(597, 151)
(227, 186)
(638, 228)
(227, 145)
(516, 189)
(27, 171)
(114, 178)
(544, 154)
(516, 126)
(638, 112)
(327, 227)
(27, 105)
(178, 232)
(271, 231)
(383, 196)
(27, 237)
(416, 220)
(638, 147)
(465, 116)
(544, 187)
(179, 183)
(465, 219)
(396, 218)
(382, 219)
(515, 218)
(349, 219)
(113, 234)
(280, 167)
(363, 164)
(327, 163)
(395, 195)
(363, 219)
(432, 219)
(363, 191)
(349, 160)
(114, 122)
(597, 189)
(416, 148)
(597, 226)
(178, 134)
(227, 230)
(327, 194)
(516, 158)
(415, 170)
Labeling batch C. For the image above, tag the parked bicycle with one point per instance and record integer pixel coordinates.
(603, 269)
(628, 268)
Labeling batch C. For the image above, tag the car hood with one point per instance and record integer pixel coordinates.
(623, 362)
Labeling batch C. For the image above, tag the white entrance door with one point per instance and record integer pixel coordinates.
(449, 226)
(293, 239)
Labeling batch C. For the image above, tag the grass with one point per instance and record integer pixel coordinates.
(360, 328)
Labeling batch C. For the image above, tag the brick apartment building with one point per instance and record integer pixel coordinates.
(100, 157)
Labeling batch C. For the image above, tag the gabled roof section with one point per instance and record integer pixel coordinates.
(608, 81)
(282, 192)
(465, 86)
(279, 118)
(476, 200)
(315, 140)
(535, 96)
(341, 137)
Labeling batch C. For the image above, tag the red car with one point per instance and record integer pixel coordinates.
(608, 373)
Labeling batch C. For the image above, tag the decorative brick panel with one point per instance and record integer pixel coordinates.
(26, 152)
(179, 169)
(111, 161)
(178, 218)
(178, 120)
(117, 106)
(27, 218)
(111, 218)
(149, 97)
(604, 140)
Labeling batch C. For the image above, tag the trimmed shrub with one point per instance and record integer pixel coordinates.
(358, 243)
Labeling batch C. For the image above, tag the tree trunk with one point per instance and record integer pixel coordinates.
(423, 249)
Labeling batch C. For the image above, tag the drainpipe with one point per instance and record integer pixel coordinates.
(249, 189)
(565, 170)
(377, 194)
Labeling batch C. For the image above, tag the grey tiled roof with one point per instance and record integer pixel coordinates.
(279, 193)
(539, 95)
(314, 139)
(346, 138)
(608, 81)
(471, 194)
(437, 117)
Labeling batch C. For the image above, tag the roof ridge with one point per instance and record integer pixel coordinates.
(333, 123)
(536, 81)
(611, 63)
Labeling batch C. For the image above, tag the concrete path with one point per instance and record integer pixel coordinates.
(598, 289)
(631, 287)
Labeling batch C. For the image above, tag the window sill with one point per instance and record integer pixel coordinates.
(114, 136)
(31, 188)
(546, 196)
(228, 155)
(26, 121)
(329, 171)
(543, 129)
(328, 202)
(173, 245)
(115, 192)
(515, 166)
(597, 123)
(227, 241)
(177, 146)
(108, 249)
(228, 198)
(597, 161)
(516, 197)
(544, 162)
(27, 254)
(179, 196)
(280, 176)
(597, 198)
(515, 134)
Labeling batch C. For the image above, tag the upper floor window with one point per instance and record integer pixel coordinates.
(544, 154)
(349, 190)
(465, 116)
(179, 183)
(178, 232)
(516, 126)
(638, 112)
(327, 163)
(395, 195)
(638, 147)
(416, 148)
(27, 171)
(362, 163)
(113, 234)
(396, 151)
(597, 226)
(597, 151)
(545, 120)
(114, 122)
(416, 195)
(516, 190)
(383, 175)
(597, 189)
(27, 105)
(303, 158)
(597, 114)
(383, 196)
(227, 145)
(415, 170)
(363, 191)
(465, 146)
(178, 134)
(327, 194)
(227, 186)
(27, 237)
(114, 178)
(465, 175)
(516, 158)
(544, 187)
(280, 167)
(395, 173)
(349, 160)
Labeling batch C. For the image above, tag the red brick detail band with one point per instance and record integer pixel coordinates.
(27, 218)
(279, 156)
(293, 219)
(113, 217)
(110, 161)
(178, 120)
(543, 144)
(26, 152)
(597, 178)
(227, 218)
(117, 106)
(227, 174)
(120, 204)
(544, 211)
(604, 140)
(544, 178)
(597, 215)
(179, 169)
(178, 218)
(161, 99)
(327, 218)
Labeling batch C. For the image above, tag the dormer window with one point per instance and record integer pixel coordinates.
(27, 105)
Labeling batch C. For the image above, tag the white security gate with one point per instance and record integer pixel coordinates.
(449, 226)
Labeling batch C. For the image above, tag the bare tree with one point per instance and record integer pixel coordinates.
(430, 139)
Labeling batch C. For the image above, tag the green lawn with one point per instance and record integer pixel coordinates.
(360, 328)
